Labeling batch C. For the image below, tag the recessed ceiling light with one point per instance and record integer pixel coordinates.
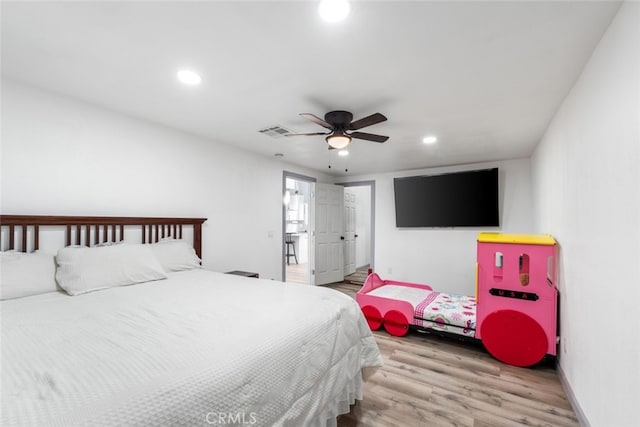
(343, 153)
(430, 139)
(189, 77)
(334, 10)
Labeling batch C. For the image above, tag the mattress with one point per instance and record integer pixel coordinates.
(196, 349)
(435, 310)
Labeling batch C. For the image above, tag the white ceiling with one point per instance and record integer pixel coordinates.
(485, 77)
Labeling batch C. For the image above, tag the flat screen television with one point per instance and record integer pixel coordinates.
(460, 199)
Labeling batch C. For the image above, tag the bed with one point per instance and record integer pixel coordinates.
(194, 347)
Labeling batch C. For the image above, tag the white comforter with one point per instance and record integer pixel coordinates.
(200, 348)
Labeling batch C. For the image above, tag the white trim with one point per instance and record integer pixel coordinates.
(582, 418)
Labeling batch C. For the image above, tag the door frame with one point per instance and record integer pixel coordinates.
(297, 177)
(372, 185)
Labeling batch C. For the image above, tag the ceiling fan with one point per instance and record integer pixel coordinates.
(341, 128)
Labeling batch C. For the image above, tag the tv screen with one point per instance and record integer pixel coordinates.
(461, 199)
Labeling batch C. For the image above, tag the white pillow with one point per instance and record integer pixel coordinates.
(175, 255)
(83, 269)
(24, 274)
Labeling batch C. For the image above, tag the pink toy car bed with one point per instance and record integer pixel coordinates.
(399, 305)
(516, 316)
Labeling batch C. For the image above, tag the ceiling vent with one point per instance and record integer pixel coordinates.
(275, 131)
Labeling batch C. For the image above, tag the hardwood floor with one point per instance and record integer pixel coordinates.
(298, 273)
(358, 277)
(429, 380)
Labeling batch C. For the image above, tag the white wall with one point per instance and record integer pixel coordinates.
(444, 257)
(586, 188)
(61, 156)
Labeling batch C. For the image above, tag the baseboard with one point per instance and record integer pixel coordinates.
(582, 418)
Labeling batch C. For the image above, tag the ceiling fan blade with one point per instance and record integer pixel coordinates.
(369, 136)
(317, 120)
(308, 134)
(367, 121)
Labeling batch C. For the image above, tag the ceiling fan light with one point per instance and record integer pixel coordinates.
(338, 141)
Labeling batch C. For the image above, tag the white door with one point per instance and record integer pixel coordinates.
(328, 234)
(349, 232)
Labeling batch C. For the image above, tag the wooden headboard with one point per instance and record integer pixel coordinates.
(97, 229)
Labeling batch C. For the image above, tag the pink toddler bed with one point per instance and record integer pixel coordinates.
(515, 315)
(399, 305)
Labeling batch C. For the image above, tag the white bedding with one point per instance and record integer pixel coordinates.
(183, 351)
(414, 296)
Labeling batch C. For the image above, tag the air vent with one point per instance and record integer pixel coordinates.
(275, 131)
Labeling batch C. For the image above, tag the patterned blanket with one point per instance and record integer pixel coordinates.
(447, 312)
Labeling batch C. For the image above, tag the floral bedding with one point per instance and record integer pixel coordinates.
(448, 313)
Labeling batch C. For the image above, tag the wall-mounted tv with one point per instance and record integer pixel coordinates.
(460, 199)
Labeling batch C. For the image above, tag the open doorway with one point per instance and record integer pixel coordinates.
(296, 227)
(359, 227)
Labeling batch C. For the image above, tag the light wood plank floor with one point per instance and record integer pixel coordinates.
(358, 277)
(429, 380)
(298, 273)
